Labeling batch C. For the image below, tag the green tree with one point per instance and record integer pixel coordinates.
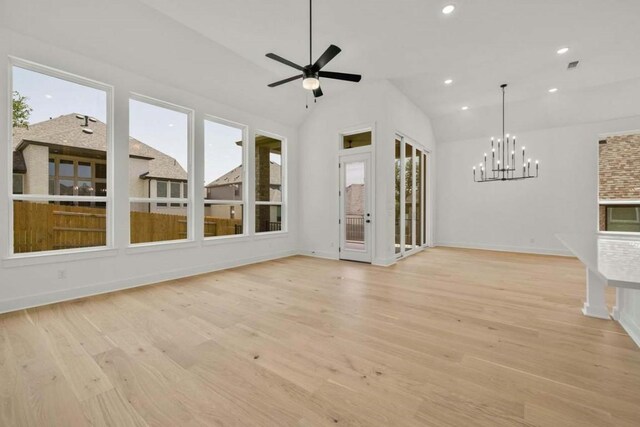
(21, 111)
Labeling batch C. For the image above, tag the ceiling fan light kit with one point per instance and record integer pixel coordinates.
(312, 73)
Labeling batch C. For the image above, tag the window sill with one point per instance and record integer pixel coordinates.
(633, 235)
(269, 234)
(50, 257)
(213, 241)
(139, 248)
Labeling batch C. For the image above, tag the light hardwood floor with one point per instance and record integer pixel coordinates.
(446, 337)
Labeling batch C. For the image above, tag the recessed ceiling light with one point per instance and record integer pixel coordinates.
(563, 50)
(448, 9)
(170, 125)
(448, 81)
(48, 96)
(465, 108)
(553, 90)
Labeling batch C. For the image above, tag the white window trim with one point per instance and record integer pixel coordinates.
(108, 199)
(284, 188)
(245, 178)
(190, 174)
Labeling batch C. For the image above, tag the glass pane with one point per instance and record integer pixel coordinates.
(84, 170)
(222, 220)
(101, 171)
(18, 183)
(398, 195)
(356, 140)
(268, 165)
(623, 218)
(148, 224)
(354, 205)
(48, 227)
(408, 211)
(175, 193)
(223, 167)
(162, 189)
(65, 118)
(418, 169)
(268, 218)
(65, 168)
(66, 187)
(424, 199)
(85, 188)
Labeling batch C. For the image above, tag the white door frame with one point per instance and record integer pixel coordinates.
(345, 252)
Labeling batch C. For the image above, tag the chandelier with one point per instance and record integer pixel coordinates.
(503, 161)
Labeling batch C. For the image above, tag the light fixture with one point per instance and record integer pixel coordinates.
(448, 81)
(48, 96)
(465, 108)
(170, 125)
(310, 83)
(503, 159)
(553, 90)
(563, 50)
(448, 9)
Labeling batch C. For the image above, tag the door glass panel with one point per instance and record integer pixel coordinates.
(356, 140)
(418, 170)
(408, 210)
(398, 196)
(354, 205)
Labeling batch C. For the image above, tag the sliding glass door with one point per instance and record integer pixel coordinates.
(410, 197)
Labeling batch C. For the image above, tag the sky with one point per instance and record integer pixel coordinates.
(161, 128)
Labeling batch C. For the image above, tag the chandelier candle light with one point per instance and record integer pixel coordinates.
(503, 163)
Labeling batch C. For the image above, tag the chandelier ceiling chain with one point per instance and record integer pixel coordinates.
(503, 168)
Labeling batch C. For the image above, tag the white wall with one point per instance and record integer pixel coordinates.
(523, 215)
(376, 104)
(39, 280)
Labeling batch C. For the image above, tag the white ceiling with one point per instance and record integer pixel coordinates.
(482, 44)
(217, 48)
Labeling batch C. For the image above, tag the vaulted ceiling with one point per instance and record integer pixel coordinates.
(410, 42)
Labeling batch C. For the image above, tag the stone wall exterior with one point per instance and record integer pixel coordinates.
(619, 164)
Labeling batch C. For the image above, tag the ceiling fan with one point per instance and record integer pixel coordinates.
(311, 73)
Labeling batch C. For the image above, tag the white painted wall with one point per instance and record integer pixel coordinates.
(523, 215)
(381, 106)
(40, 280)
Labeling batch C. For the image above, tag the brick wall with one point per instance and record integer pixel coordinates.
(620, 168)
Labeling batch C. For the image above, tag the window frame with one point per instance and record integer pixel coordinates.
(187, 201)
(283, 190)
(243, 203)
(107, 200)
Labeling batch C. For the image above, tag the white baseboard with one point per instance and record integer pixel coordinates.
(319, 254)
(632, 328)
(503, 248)
(102, 288)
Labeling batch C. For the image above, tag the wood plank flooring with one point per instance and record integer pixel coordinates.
(448, 337)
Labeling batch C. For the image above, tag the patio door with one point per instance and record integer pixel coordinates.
(356, 221)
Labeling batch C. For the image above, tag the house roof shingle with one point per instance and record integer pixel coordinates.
(66, 131)
(234, 176)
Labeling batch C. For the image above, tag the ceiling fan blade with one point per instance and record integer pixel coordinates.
(283, 61)
(340, 76)
(281, 82)
(317, 92)
(327, 56)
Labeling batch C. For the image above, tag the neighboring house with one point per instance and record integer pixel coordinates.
(67, 156)
(619, 186)
(229, 187)
(355, 200)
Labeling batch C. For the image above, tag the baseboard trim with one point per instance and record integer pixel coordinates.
(500, 248)
(319, 254)
(114, 286)
(632, 328)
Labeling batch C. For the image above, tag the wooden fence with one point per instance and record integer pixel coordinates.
(44, 227)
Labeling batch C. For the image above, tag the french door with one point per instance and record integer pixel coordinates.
(410, 197)
(355, 207)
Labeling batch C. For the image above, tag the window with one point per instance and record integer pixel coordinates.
(224, 178)
(159, 150)
(619, 184)
(356, 140)
(60, 201)
(269, 183)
